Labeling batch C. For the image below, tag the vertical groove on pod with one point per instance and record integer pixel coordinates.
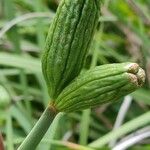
(45, 63)
(58, 47)
(79, 39)
(52, 50)
(68, 48)
(94, 23)
(66, 62)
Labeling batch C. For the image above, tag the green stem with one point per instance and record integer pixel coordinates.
(84, 129)
(39, 130)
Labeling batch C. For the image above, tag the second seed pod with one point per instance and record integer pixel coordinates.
(102, 84)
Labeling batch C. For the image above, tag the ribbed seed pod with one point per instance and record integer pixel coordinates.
(102, 84)
(67, 43)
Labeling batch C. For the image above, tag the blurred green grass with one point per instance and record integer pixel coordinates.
(123, 34)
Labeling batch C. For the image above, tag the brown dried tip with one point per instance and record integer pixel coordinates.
(141, 76)
(137, 74)
(133, 68)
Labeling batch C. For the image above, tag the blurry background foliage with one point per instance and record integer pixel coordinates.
(123, 35)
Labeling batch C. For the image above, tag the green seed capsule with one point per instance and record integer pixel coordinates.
(67, 43)
(102, 84)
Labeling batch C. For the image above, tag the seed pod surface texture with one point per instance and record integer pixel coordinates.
(67, 43)
(106, 83)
